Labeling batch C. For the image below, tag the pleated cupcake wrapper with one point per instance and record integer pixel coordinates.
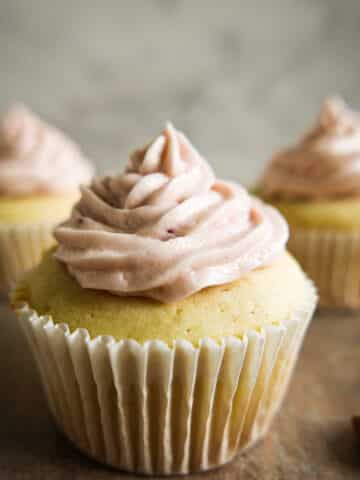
(21, 248)
(332, 260)
(155, 409)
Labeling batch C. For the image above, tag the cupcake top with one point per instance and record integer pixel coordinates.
(324, 164)
(37, 158)
(166, 228)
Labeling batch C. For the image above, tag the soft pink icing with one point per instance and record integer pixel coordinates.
(37, 158)
(166, 228)
(325, 164)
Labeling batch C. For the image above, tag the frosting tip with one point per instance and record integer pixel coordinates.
(333, 111)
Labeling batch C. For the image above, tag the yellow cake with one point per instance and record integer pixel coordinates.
(251, 302)
(30, 209)
(328, 215)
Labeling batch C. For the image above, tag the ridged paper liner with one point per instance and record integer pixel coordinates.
(21, 248)
(151, 408)
(332, 261)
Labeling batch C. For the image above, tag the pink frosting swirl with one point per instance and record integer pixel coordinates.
(37, 158)
(166, 228)
(325, 164)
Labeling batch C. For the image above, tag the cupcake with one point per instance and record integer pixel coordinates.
(40, 173)
(167, 322)
(316, 186)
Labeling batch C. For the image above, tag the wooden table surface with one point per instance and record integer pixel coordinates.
(312, 438)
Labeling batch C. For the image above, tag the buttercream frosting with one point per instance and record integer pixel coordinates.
(166, 227)
(324, 164)
(38, 158)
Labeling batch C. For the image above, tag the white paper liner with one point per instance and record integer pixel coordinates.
(21, 248)
(154, 409)
(332, 261)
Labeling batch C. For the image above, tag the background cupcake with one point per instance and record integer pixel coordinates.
(316, 185)
(40, 174)
(167, 323)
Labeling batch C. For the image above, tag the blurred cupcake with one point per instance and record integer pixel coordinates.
(316, 185)
(40, 174)
(167, 322)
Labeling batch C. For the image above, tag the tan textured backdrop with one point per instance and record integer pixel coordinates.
(240, 76)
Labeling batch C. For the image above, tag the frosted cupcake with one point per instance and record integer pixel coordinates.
(167, 322)
(40, 174)
(316, 185)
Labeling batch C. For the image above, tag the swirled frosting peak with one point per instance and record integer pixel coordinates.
(37, 158)
(166, 228)
(325, 164)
